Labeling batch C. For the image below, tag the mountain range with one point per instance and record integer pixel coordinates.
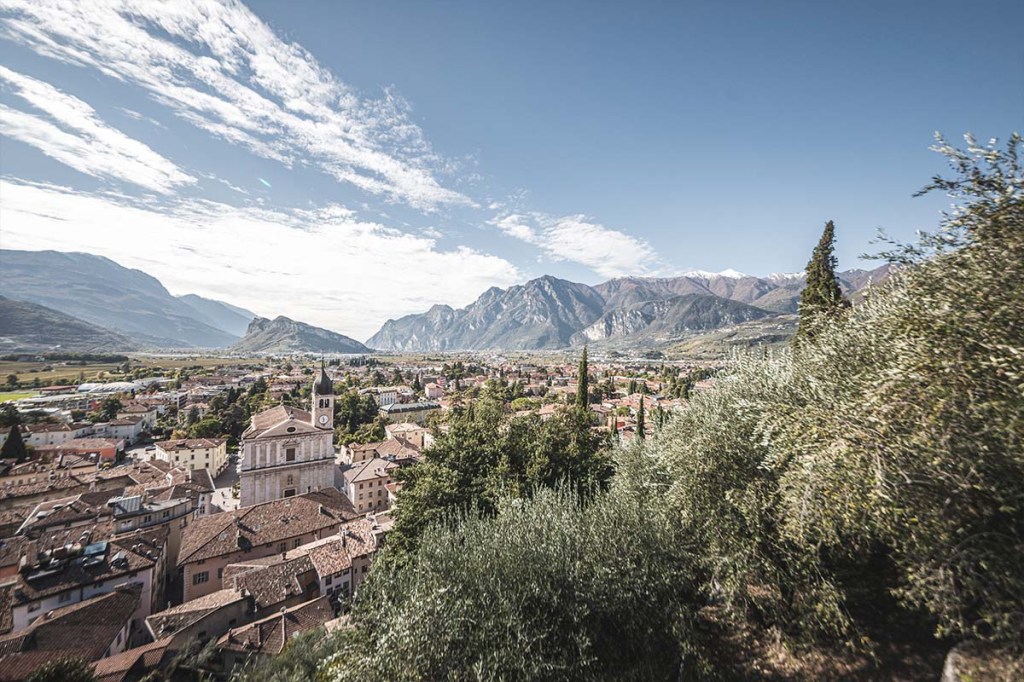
(99, 291)
(550, 313)
(28, 327)
(83, 302)
(282, 335)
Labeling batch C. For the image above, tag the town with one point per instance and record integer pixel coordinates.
(159, 508)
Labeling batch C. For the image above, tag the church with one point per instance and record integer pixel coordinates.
(287, 451)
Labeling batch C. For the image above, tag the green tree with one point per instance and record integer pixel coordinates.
(822, 299)
(12, 381)
(640, 432)
(109, 408)
(9, 415)
(63, 670)
(552, 588)
(583, 382)
(484, 453)
(14, 447)
(208, 427)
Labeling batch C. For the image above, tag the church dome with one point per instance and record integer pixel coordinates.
(323, 385)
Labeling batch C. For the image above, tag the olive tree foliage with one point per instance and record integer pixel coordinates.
(898, 429)
(484, 453)
(548, 589)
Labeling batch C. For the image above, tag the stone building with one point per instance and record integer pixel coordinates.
(287, 451)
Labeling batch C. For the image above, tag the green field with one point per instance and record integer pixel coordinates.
(6, 397)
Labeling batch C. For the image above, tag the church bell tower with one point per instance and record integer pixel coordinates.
(323, 400)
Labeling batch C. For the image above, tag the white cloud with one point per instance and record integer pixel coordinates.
(219, 67)
(321, 266)
(131, 113)
(576, 238)
(81, 140)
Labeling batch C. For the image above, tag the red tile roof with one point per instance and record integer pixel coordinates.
(269, 522)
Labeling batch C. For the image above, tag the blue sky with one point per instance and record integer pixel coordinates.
(346, 162)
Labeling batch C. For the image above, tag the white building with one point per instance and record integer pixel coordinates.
(127, 430)
(433, 392)
(195, 453)
(50, 435)
(383, 395)
(287, 451)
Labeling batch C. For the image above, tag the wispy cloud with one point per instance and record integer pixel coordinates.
(321, 265)
(221, 68)
(74, 135)
(576, 238)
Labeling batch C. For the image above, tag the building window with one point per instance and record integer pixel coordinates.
(201, 578)
(220, 573)
(282, 547)
(289, 454)
(329, 580)
(296, 542)
(290, 480)
(290, 492)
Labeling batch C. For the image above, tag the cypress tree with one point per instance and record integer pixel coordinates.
(14, 447)
(583, 383)
(640, 420)
(821, 299)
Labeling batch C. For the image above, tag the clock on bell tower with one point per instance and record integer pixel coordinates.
(323, 400)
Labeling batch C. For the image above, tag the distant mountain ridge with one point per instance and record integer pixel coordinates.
(103, 293)
(548, 312)
(31, 327)
(668, 319)
(231, 319)
(283, 335)
(543, 313)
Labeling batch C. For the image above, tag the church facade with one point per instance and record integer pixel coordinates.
(287, 451)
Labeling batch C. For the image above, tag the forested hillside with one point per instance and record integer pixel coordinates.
(851, 506)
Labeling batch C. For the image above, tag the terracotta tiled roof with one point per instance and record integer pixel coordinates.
(368, 470)
(175, 618)
(269, 522)
(134, 663)
(69, 483)
(399, 448)
(6, 608)
(45, 427)
(87, 629)
(190, 444)
(274, 416)
(403, 427)
(11, 550)
(89, 443)
(272, 584)
(131, 553)
(269, 636)
(74, 510)
(271, 579)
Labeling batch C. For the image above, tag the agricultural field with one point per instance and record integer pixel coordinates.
(35, 374)
(9, 396)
